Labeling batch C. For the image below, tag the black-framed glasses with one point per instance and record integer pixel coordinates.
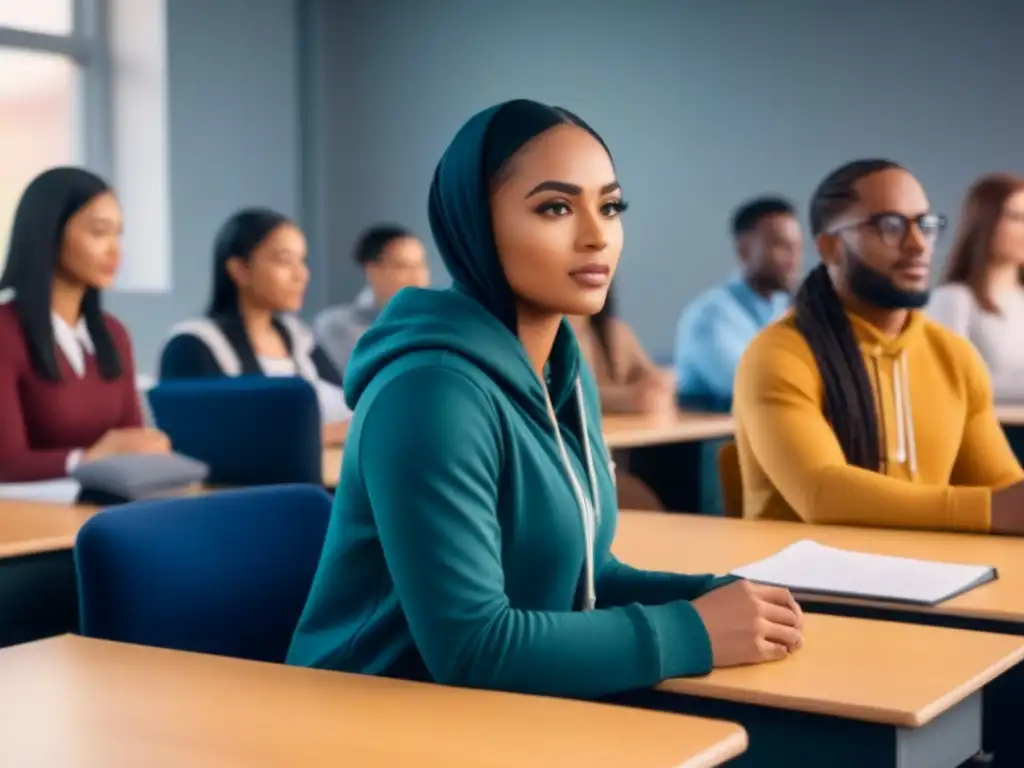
(893, 227)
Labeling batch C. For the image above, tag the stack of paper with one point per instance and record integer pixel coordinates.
(809, 567)
(62, 491)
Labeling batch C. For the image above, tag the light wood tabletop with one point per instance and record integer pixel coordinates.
(121, 706)
(28, 527)
(1011, 415)
(620, 431)
(33, 527)
(632, 431)
(703, 543)
(627, 431)
(332, 466)
(903, 675)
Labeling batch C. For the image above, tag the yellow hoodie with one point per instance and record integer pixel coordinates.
(943, 448)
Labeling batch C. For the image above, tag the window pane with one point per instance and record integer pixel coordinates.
(37, 123)
(53, 17)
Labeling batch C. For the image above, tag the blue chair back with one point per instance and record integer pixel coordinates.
(227, 573)
(250, 430)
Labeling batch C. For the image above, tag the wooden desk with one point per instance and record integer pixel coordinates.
(1011, 415)
(38, 590)
(38, 595)
(903, 675)
(697, 544)
(674, 454)
(859, 693)
(332, 466)
(622, 431)
(112, 705)
(28, 527)
(619, 432)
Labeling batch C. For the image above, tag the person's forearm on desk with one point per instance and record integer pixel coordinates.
(621, 584)
(434, 502)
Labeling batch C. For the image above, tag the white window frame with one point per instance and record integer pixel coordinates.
(135, 107)
(87, 46)
(108, 109)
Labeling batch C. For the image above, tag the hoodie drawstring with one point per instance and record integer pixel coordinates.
(908, 414)
(588, 508)
(906, 446)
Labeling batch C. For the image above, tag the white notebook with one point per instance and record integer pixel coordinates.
(63, 491)
(812, 568)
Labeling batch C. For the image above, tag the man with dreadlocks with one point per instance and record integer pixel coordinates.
(855, 408)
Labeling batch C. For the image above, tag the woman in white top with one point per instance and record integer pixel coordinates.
(250, 328)
(982, 297)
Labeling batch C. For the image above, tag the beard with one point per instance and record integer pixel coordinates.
(878, 290)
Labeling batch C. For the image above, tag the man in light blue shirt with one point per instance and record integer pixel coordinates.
(716, 327)
(392, 258)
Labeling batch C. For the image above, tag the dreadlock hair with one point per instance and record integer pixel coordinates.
(849, 400)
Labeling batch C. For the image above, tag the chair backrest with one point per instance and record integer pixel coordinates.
(250, 430)
(226, 573)
(730, 480)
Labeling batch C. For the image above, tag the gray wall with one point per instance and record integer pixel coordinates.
(703, 104)
(233, 75)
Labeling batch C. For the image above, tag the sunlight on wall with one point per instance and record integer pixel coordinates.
(37, 123)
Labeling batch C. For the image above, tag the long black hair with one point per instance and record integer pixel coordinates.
(239, 236)
(33, 257)
(820, 317)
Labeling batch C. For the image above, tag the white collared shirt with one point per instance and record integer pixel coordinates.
(75, 342)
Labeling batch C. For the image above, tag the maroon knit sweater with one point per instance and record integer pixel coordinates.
(41, 422)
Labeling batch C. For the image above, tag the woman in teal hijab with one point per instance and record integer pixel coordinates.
(471, 532)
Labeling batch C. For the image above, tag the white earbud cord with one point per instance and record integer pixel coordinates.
(588, 508)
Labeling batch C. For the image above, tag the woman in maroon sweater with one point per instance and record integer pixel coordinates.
(67, 379)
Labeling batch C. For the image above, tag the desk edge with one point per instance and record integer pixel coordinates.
(733, 745)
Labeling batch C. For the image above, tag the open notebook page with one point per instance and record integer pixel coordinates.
(809, 567)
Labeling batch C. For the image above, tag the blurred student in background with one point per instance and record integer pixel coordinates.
(716, 327)
(982, 297)
(628, 381)
(251, 327)
(391, 258)
(856, 409)
(67, 377)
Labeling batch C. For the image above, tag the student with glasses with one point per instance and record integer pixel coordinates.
(856, 409)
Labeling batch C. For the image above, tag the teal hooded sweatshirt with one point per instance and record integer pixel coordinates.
(458, 546)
